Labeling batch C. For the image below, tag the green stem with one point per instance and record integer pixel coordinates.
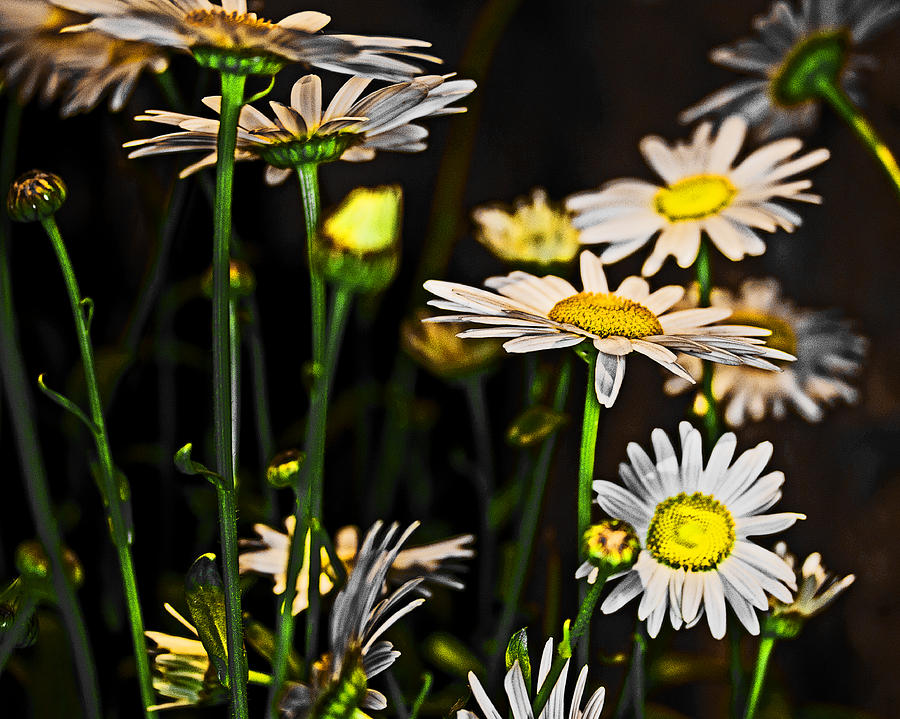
(843, 105)
(637, 680)
(261, 405)
(759, 674)
(232, 100)
(704, 281)
(260, 678)
(530, 515)
(15, 633)
(234, 335)
(588, 449)
(565, 649)
(113, 485)
(308, 175)
(308, 508)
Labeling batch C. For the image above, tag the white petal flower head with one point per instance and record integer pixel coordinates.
(704, 193)
(540, 313)
(817, 588)
(695, 523)
(519, 703)
(828, 355)
(792, 45)
(226, 36)
(349, 129)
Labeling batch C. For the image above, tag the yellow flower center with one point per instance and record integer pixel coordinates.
(693, 531)
(782, 337)
(695, 197)
(606, 315)
(215, 17)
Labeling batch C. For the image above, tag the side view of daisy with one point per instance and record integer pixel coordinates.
(227, 36)
(350, 128)
(694, 523)
(828, 354)
(792, 45)
(704, 193)
(520, 704)
(540, 313)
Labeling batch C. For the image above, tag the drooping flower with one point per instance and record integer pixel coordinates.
(828, 354)
(694, 524)
(35, 58)
(541, 313)
(533, 233)
(227, 37)
(440, 351)
(437, 562)
(519, 703)
(350, 129)
(338, 684)
(794, 46)
(704, 192)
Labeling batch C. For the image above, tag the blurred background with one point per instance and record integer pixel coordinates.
(563, 99)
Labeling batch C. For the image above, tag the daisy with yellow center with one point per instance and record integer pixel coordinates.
(694, 523)
(79, 69)
(540, 313)
(704, 193)
(828, 355)
(817, 587)
(533, 233)
(350, 129)
(227, 37)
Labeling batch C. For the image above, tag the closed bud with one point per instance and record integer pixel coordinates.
(284, 469)
(240, 278)
(435, 346)
(35, 569)
(35, 196)
(358, 245)
(611, 545)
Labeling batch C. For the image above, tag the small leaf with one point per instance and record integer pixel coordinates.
(87, 307)
(262, 639)
(517, 651)
(205, 597)
(565, 646)
(67, 405)
(187, 465)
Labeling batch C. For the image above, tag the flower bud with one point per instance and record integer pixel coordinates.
(358, 245)
(611, 545)
(35, 196)
(284, 469)
(435, 346)
(240, 277)
(35, 568)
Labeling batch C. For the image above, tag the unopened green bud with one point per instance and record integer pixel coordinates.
(34, 567)
(358, 245)
(240, 277)
(611, 545)
(35, 196)
(284, 469)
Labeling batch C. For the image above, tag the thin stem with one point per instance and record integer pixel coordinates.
(835, 96)
(588, 449)
(766, 645)
(308, 175)
(113, 485)
(638, 680)
(704, 281)
(15, 633)
(563, 652)
(234, 335)
(530, 514)
(261, 405)
(232, 99)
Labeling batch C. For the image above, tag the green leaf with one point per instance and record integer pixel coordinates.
(187, 465)
(205, 595)
(565, 646)
(67, 405)
(262, 639)
(517, 651)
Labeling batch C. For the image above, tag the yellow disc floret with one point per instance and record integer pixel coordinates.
(691, 531)
(694, 197)
(606, 315)
(782, 338)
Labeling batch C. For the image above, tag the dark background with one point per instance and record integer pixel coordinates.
(572, 88)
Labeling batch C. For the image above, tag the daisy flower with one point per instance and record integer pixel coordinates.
(227, 37)
(793, 45)
(533, 232)
(35, 57)
(818, 588)
(541, 313)
(694, 524)
(704, 192)
(268, 555)
(339, 680)
(349, 129)
(517, 694)
(828, 354)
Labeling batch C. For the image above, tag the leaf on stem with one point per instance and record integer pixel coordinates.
(205, 595)
(67, 405)
(187, 465)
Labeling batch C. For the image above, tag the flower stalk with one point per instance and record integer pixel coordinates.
(113, 485)
(704, 282)
(589, 427)
(232, 100)
(766, 644)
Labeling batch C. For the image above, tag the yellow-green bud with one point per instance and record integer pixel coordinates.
(284, 469)
(611, 545)
(435, 346)
(240, 277)
(34, 566)
(358, 245)
(35, 196)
